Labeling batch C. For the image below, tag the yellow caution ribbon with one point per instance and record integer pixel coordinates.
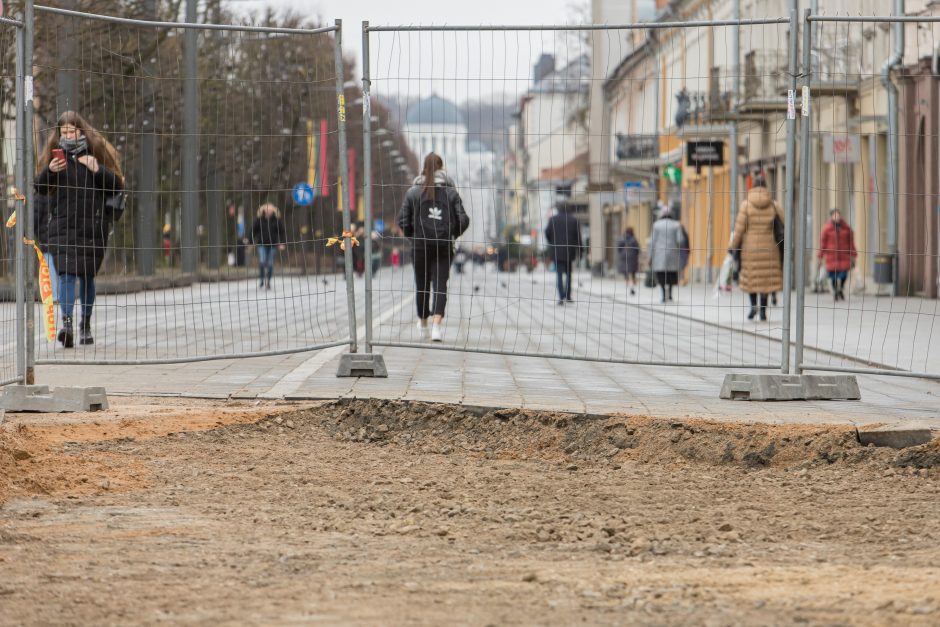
(341, 240)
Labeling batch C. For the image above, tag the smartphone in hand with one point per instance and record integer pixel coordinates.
(58, 153)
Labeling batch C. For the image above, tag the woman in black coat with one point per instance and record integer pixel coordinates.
(629, 258)
(267, 233)
(432, 217)
(81, 172)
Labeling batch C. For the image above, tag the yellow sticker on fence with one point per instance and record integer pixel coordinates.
(341, 101)
(11, 222)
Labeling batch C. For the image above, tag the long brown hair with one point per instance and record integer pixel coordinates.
(432, 163)
(98, 147)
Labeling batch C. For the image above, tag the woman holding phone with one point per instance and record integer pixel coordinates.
(81, 172)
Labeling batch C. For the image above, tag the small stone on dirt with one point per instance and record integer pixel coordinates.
(530, 577)
(571, 467)
(19, 455)
(725, 527)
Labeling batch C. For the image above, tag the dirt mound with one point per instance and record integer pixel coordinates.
(561, 437)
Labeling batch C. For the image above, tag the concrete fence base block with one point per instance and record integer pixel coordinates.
(361, 365)
(895, 436)
(784, 387)
(38, 398)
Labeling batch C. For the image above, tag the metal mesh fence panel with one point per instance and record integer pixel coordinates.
(559, 141)
(871, 195)
(10, 321)
(230, 168)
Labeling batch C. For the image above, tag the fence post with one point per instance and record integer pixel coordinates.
(344, 177)
(366, 364)
(788, 229)
(189, 243)
(806, 166)
(20, 205)
(28, 172)
(367, 178)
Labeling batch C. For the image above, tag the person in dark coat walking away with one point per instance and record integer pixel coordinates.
(432, 217)
(837, 248)
(666, 246)
(628, 258)
(563, 234)
(267, 234)
(81, 172)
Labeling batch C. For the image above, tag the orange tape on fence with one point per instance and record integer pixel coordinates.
(341, 240)
(45, 292)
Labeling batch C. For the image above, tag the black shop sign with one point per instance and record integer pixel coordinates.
(704, 154)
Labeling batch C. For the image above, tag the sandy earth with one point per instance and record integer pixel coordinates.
(200, 512)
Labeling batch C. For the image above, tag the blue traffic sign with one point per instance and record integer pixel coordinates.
(633, 184)
(303, 194)
(380, 225)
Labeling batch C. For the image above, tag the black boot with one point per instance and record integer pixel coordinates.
(84, 332)
(753, 312)
(763, 313)
(65, 337)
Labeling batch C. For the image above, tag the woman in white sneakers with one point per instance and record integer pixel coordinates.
(432, 217)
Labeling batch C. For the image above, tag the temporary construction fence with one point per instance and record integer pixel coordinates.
(12, 315)
(525, 147)
(604, 124)
(875, 159)
(211, 122)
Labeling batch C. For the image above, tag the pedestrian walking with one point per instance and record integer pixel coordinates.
(268, 234)
(563, 234)
(837, 250)
(628, 258)
(666, 245)
(432, 217)
(759, 218)
(81, 172)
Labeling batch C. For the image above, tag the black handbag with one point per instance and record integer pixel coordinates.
(114, 205)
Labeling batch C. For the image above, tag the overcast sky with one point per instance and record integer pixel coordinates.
(436, 12)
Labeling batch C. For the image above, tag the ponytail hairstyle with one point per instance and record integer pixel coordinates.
(432, 163)
(98, 147)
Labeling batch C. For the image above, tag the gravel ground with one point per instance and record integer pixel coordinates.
(395, 513)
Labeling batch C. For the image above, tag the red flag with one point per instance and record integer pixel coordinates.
(324, 171)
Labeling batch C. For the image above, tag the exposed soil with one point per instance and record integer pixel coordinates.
(401, 513)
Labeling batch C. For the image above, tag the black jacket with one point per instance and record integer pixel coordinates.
(41, 215)
(446, 195)
(80, 223)
(563, 234)
(268, 231)
(628, 258)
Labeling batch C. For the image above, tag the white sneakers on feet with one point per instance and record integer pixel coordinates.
(437, 333)
(422, 331)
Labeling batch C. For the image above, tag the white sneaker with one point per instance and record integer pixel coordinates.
(437, 333)
(422, 331)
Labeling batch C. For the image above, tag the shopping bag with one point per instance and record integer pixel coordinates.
(725, 275)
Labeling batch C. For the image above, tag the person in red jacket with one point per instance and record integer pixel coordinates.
(837, 247)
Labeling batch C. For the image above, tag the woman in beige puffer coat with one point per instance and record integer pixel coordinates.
(761, 272)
